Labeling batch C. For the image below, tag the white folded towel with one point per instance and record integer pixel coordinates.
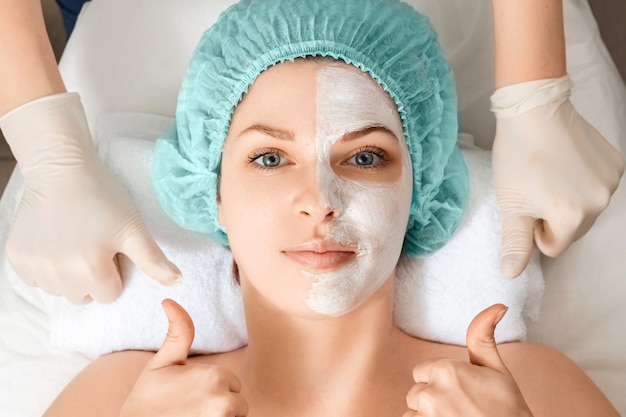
(436, 297)
(136, 320)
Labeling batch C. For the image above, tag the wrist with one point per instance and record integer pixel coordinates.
(520, 98)
(48, 129)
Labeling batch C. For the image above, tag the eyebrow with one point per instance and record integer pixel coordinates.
(270, 131)
(366, 131)
(283, 134)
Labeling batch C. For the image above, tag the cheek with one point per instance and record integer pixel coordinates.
(251, 208)
(381, 211)
(247, 227)
(240, 206)
(225, 198)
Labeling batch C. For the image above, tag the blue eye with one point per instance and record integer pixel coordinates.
(368, 158)
(365, 159)
(268, 159)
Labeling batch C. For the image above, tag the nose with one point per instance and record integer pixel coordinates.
(320, 213)
(318, 201)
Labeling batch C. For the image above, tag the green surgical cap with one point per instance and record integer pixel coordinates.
(387, 39)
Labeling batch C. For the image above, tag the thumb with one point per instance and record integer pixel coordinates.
(481, 343)
(148, 256)
(517, 243)
(180, 334)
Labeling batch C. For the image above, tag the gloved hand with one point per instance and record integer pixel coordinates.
(75, 216)
(553, 172)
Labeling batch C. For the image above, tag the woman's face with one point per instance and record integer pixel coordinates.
(315, 188)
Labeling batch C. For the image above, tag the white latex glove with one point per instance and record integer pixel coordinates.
(75, 216)
(553, 172)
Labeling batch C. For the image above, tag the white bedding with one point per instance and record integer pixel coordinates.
(130, 56)
(429, 290)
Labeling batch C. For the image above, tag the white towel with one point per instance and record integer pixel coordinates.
(136, 320)
(436, 297)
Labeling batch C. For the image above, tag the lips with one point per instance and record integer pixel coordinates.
(321, 255)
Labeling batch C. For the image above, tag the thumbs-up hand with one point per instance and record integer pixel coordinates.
(481, 387)
(169, 386)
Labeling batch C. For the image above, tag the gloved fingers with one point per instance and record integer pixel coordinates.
(106, 293)
(45, 286)
(554, 236)
(71, 279)
(517, 243)
(78, 281)
(88, 279)
(32, 272)
(106, 284)
(76, 294)
(610, 162)
(79, 300)
(28, 277)
(148, 257)
(549, 157)
(16, 260)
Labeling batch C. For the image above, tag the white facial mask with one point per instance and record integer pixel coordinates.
(374, 216)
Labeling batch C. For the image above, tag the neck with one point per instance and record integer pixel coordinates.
(319, 357)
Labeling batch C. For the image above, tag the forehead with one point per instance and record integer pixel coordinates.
(293, 92)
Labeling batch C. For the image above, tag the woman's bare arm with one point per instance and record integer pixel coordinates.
(102, 387)
(552, 384)
(136, 383)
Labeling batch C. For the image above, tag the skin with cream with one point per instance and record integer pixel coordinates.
(374, 214)
(327, 185)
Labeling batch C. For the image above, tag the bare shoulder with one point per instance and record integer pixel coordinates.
(552, 384)
(101, 387)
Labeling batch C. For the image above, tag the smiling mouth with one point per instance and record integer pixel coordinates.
(321, 256)
(321, 261)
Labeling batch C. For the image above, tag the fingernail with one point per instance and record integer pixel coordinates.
(500, 315)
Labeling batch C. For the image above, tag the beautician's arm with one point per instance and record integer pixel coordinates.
(553, 172)
(529, 40)
(29, 70)
(75, 215)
